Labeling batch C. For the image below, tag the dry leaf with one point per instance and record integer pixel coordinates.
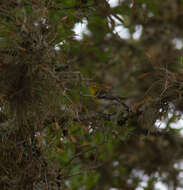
(73, 139)
(57, 126)
(19, 158)
(64, 19)
(143, 75)
(138, 104)
(85, 127)
(59, 149)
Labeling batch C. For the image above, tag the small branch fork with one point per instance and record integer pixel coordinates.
(116, 98)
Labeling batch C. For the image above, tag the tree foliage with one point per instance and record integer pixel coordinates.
(83, 114)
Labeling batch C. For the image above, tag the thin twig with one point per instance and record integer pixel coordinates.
(74, 7)
(82, 152)
(116, 98)
(82, 172)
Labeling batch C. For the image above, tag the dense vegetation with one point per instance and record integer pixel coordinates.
(83, 114)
